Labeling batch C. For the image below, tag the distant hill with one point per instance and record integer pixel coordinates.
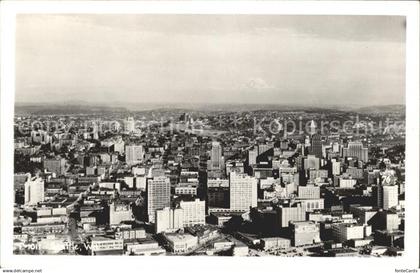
(382, 109)
(64, 109)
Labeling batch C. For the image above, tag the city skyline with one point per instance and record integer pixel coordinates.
(210, 135)
(240, 59)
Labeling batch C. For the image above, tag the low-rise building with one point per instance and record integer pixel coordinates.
(127, 234)
(37, 229)
(143, 247)
(203, 233)
(181, 243)
(101, 243)
(275, 243)
(304, 233)
(343, 232)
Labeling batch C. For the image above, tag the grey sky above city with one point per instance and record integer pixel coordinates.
(276, 59)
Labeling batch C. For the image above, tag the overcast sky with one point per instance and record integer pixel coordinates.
(312, 60)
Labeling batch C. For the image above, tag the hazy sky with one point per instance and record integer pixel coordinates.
(211, 59)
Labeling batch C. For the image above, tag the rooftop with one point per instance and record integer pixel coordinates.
(178, 237)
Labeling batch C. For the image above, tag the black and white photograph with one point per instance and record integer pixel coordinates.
(229, 134)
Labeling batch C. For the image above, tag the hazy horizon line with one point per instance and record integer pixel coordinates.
(74, 102)
(179, 105)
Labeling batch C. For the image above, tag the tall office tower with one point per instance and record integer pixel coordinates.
(300, 162)
(129, 125)
(387, 196)
(158, 195)
(216, 158)
(95, 129)
(133, 154)
(34, 190)
(252, 156)
(316, 145)
(355, 149)
(312, 128)
(119, 212)
(336, 167)
(336, 147)
(287, 214)
(168, 220)
(243, 191)
(194, 212)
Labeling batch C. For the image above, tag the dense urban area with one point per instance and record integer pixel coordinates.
(226, 182)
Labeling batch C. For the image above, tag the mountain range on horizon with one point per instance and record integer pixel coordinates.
(84, 107)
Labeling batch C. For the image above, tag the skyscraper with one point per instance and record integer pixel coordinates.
(133, 154)
(34, 190)
(158, 195)
(387, 196)
(336, 147)
(216, 158)
(355, 149)
(336, 167)
(316, 145)
(252, 156)
(243, 191)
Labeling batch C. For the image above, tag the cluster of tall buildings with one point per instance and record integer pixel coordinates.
(160, 191)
